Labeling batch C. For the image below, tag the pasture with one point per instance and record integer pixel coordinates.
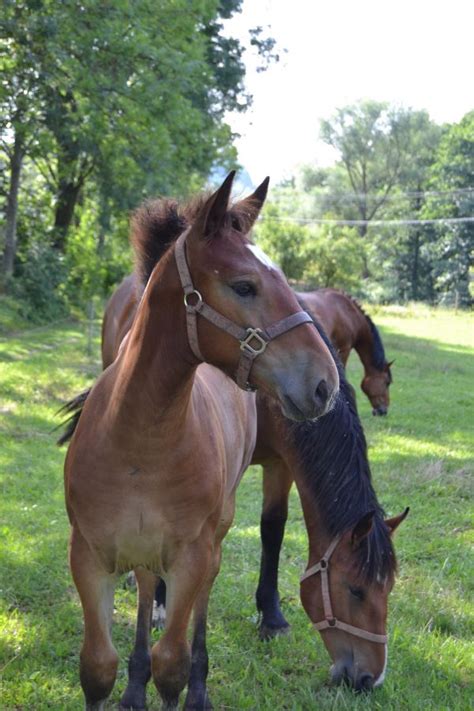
(421, 456)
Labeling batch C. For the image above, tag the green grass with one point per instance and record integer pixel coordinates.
(420, 457)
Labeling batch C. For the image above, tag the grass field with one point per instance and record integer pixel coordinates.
(421, 456)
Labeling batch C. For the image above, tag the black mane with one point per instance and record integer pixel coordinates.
(333, 456)
(379, 360)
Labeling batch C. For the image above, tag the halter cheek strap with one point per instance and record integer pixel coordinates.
(331, 622)
(253, 341)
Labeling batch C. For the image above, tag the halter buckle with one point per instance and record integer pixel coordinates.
(197, 305)
(331, 621)
(253, 333)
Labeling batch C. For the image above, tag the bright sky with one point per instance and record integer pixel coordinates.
(418, 53)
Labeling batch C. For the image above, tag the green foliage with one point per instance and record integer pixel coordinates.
(108, 103)
(314, 256)
(394, 165)
(39, 284)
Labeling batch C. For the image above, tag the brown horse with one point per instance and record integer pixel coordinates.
(161, 443)
(349, 327)
(351, 562)
(328, 461)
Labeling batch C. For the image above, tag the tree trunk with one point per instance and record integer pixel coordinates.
(68, 193)
(9, 252)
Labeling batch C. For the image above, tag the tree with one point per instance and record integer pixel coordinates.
(130, 96)
(452, 244)
(371, 139)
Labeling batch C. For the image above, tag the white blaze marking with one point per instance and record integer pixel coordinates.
(381, 678)
(261, 256)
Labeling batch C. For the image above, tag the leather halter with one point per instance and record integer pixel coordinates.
(331, 622)
(253, 341)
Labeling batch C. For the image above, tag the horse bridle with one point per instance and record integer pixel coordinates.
(330, 621)
(253, 341)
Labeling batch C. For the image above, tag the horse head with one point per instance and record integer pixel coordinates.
(248, 321)
(348, 603)
(376, 386)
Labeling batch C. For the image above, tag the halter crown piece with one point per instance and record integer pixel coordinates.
(253, 341)
(330, 622)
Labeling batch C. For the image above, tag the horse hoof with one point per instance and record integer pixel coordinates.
(267, 632)
(201, 705)
(158, 618)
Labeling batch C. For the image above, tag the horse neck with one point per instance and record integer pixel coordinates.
(319, 538)
(364, 342)
(156, 370)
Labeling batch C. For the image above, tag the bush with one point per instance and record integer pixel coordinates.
(38, 284)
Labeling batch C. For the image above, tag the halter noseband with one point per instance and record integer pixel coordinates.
(253, 341)
(331, 622)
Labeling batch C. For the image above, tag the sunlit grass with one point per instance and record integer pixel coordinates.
(421, 456)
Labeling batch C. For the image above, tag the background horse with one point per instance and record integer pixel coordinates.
(346, 324)
(161, 444)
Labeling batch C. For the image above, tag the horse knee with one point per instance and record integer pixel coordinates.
(97, 675)
(170, 667)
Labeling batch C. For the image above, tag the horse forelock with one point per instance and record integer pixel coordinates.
(333, 456)
(157, 224)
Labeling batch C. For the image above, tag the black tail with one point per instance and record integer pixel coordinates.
(73, 408)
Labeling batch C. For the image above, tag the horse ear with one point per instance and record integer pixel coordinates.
(390, 363)
(212, 214)
(249, 208)
(362, 528)
(393, 523)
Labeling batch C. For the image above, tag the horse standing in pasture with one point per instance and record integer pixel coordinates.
(161, 444)
(328, 460)
(348, 327)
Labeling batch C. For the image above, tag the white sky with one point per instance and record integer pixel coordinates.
(417, 53)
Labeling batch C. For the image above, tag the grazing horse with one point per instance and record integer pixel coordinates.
(349, 327)
(351, 561)
(160, 444)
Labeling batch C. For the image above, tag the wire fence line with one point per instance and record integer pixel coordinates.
(368, 223)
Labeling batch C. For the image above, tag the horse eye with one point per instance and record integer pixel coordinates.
(244, 288)
(357, 592)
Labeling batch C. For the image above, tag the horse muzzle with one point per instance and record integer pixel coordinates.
(342, 673)
(379, 411)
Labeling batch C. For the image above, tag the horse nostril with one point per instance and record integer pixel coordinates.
(365, 682)
(322, 392)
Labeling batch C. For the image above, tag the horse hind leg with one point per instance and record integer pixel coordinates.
(277, 481)
(139, 665)
(98, 658)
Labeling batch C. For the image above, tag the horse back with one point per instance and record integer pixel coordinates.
(118, 318)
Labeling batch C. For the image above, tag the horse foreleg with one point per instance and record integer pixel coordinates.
(171, 656)
(197, 698)
(277, 481)
(139, 665)
(98, 659)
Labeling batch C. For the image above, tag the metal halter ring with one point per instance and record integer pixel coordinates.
(198, 303)
(251, 334)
